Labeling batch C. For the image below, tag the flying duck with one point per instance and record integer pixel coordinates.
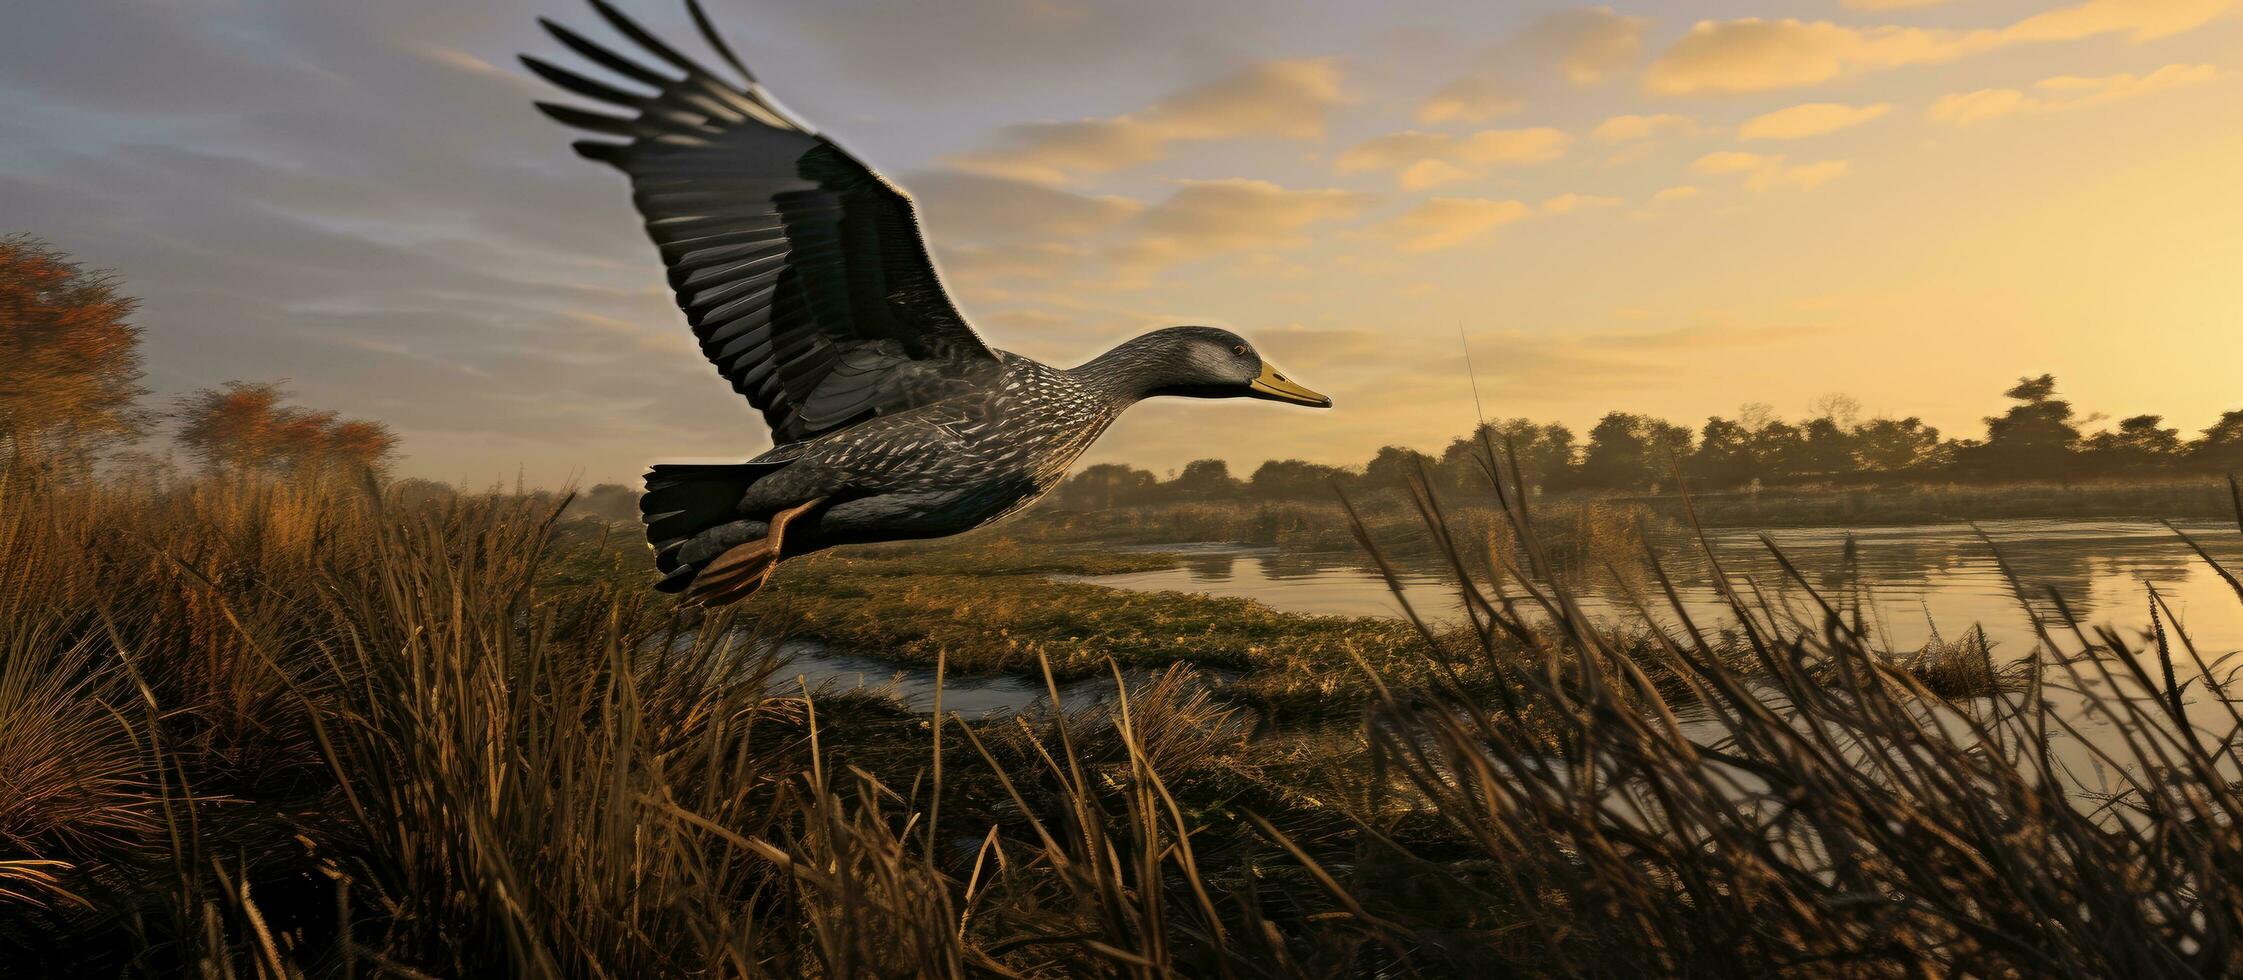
(803, 274)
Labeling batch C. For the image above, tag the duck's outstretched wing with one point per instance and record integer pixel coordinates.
(801, 270)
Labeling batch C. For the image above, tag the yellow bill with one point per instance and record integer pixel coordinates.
(1277, 388)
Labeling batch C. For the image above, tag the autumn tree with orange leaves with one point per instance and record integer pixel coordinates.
(69, 358)
(244, 429)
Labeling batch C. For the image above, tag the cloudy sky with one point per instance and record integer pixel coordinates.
(1661, 208)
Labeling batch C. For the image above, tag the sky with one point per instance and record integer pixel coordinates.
(1671, 209)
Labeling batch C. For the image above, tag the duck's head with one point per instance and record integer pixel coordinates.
(1201, 362)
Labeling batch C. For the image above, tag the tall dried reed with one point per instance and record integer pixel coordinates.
(316, 731)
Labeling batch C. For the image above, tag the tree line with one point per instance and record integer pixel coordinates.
(2037, 437)
(70, 391)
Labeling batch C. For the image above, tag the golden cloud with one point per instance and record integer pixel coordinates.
(1804, 176)
(978, 266)
(1282, 99)
(1276, 100)
(1628, 129)
(1204, 218)
(1409, 152)
(1590, 43)
(1764, 171)
(1752, 54)
(1447, 222)
(1964, 108)
(1426, 174)
(1586, 46)
(2139, 20)
(1730, 162)
(1471, 99)
(980, 207)
(1677, 193)
(1811, 119)
(2062, 93)
(1569, 202)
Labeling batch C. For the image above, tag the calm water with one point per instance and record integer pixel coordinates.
(822, 670)
(1913, 579)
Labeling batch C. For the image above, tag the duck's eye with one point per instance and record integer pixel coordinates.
(1240, 350)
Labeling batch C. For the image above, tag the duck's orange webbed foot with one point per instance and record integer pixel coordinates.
(741, 570)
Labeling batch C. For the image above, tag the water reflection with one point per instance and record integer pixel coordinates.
(1911, 581)
(822, 670)
(1210, 566)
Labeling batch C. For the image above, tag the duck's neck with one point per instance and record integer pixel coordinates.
(1125, 375)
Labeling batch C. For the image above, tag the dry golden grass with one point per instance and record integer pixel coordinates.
(313, 732)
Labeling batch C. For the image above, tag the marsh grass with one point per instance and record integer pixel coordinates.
(1961, 668)
(321, 732)
(994, 606)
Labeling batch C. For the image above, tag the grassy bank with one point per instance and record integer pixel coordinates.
(317, 732)
(989, 605)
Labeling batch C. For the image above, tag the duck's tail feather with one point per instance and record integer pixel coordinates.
(686, 500)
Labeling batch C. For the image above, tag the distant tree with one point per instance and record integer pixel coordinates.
(2140, 442)
(1203, 479)
(1780, 447)
(1550, 462)
(1724, 457)
(2222, 445)
(2033, 390)
(1633, 452)
(608, 502)
(69, 356)
(242, 429)
(1839, 407)
(1826, 448)
(2036, 437)
(1107, 485)
(1393, 467)
(1755, 416)
(1544, 453)
(361, 444)
(1616, 456)
(232, 428)
(1294, 479)
(300, 437)
(1895, 445)
(1464, 464)
(416, 491)
(1669, 447)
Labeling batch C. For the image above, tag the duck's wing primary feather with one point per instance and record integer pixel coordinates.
(801, 270)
